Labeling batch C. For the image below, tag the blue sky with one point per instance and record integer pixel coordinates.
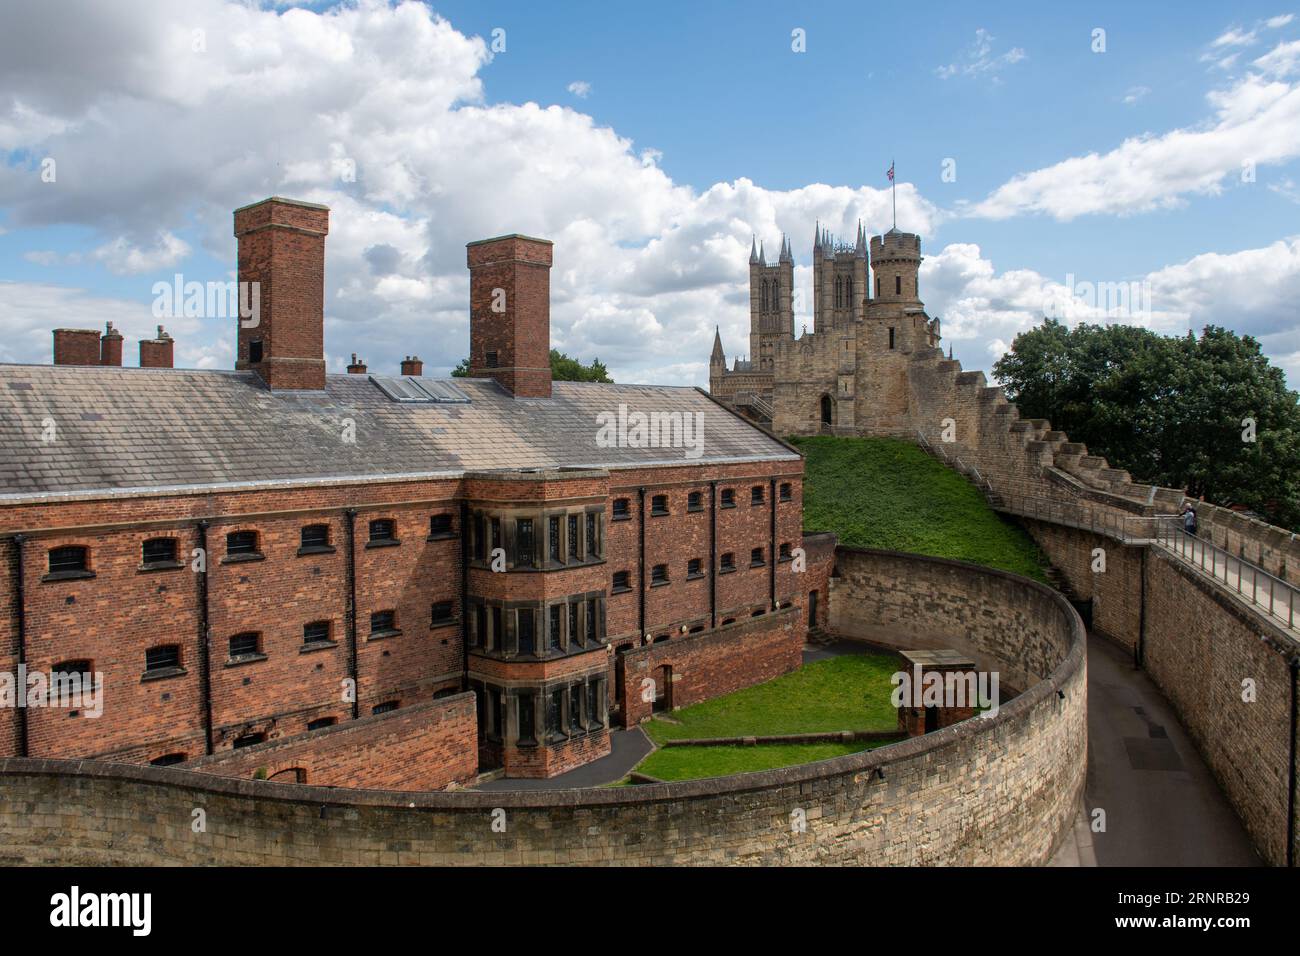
(662, 137)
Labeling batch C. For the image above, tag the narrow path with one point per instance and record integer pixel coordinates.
(627, 749)
(1163, 807)
(1272, 597)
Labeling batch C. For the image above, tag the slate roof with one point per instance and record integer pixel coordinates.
(133, 430)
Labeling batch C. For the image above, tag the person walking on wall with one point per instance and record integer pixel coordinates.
(1189, 518)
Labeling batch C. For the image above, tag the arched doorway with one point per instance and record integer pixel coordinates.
(827, 410)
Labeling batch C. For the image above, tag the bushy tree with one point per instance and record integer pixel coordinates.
(563, 369)
(1172, 411)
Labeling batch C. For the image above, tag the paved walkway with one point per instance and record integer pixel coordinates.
(1163, 808)
(627, 749)
(1273, 598)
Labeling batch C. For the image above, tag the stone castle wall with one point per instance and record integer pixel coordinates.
(997, 791)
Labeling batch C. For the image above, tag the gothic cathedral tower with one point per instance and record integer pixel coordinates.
(771, 306)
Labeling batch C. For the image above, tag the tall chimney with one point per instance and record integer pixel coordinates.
(510, 313)
(282, 249)
(110, 346)
(358, 366)
(411, 365)
(76, 347)
(156, 353)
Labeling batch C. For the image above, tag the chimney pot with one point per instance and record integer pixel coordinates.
(411, 365)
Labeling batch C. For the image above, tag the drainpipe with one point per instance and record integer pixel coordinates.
(771, 550)
(640, 567)
(464, 595)
(205, 642)
(1291, 777)
(713, 555)
(21, 712)
(351, 614)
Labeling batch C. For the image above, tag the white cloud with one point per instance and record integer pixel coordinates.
(580, 88)
(1257, 119)
(1251, 291)
(980, 59)
(1281, 20)
(1234, 36)
(1135, 93)
(123, 257)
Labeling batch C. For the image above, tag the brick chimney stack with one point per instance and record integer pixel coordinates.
(110, 346)
(358, 366)
(76, 347)
(282, 249)
(411, 365)
(510, 313)
(157, 352)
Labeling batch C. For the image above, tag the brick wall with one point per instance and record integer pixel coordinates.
(690, 668)
(1199, 646)
(427, 746)
(984, 792)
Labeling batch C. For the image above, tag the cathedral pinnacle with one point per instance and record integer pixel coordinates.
(753, 250)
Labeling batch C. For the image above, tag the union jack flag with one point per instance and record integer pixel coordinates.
(890, 171)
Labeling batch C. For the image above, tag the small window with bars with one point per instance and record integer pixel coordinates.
(727, 563)
(443, 612)
(386, 707)
(247, 644)
(159, 552)
(621, 582)
(316, 632)
(756, 558)
(622, 511)
(72, 559)
(756, 495)
(695, 501)
(383, 531)
(440, 526)
(241, 543)
(787, 491)
(694, 568)
(658, 506)
(314, 539)
(164, 657)
(728, 498)
(784, 552)
(659, 575)
(384, 623)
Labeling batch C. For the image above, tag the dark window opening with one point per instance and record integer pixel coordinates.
(526, 625)
(891, 336)
(827, 410)
(695, 501)
(898, 285)
(555, 712)
(693, 568)
(443, 612)
(162, 657)
(591, 620)
(756, 495)
(241, 542)
(785, 552)
(756, 558)
(315, 537)
(728, 562)
(322, 722)
(387, 707)
(593, 705)
(494, 639)
(479, 637)
(527, 718)
(556, 626)
(491, 359)
(659, 575)
(69, 559)
(316, 632)
(159, 551)
(573, 536)
(622, 511)
(384, 622)
(621, 582)
(787, 492)
(244, 645)
(575, 708)
(728, 498)
(574, 634)
(255, 350)
(592, 549)
(658, 506)
(249, 740)
(383, 530)
(440, 526)
(168, 760)
(524, 542)
(553, 526)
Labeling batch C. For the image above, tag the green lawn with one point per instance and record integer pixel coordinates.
(850, 692)
(689, 763)
(888, 493)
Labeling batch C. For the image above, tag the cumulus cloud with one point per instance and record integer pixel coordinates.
(580, 88)
(1256, 120)
(123, 257)
(1252, 291)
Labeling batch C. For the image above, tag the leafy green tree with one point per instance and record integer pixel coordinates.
(1169, 410)
(563, 369)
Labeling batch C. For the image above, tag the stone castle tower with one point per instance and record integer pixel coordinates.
(849, 373)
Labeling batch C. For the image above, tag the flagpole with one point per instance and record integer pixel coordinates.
(893, 189)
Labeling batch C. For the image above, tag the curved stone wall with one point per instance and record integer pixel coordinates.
(985, 791)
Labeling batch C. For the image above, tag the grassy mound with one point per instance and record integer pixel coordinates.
(888, 493)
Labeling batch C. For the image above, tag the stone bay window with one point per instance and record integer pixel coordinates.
(541, 539)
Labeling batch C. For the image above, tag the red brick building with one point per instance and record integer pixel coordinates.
(256, 555)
